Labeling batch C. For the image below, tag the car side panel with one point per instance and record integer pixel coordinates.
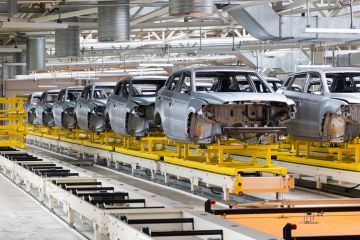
(82, 111)
(162, 106)
(58, 109)
(178, 107)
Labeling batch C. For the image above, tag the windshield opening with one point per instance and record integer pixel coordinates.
(343, 82)
(102, 92)
(73, 94)
(232, 82)
(35, 99)
(146, 88)
(51, 97)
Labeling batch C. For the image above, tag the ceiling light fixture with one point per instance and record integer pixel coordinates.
(156, 65)
(332, 30)
(47, 86)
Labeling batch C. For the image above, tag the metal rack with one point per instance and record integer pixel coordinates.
(213, 165)
(111, 209)
(12, 117)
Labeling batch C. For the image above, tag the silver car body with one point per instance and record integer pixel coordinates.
(43, 109)
(227, 110)
(90, 106)
(130, 110)
(30, 104)
(64, 106)
(328, 104)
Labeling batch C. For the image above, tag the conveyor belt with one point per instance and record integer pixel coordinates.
(145, 185)
(230, 176)
(104, 205)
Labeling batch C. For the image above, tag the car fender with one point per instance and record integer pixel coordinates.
(195, 106)
(330, 106)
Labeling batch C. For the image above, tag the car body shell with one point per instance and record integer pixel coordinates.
(64, 107)
(30, 105)
(89, 110)
(43, 109)
(323, 116)
(174, 110)
(131, 114)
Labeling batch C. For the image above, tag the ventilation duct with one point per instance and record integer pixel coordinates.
(263, 23)
(196, 8)
(113, 21)
(67, 41)
(35, 53)
(348, 60)
(20, 57)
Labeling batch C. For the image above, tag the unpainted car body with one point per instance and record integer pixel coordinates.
(30, 104)
(44, 115)
(328, 104)
(130, 110)
(251, 111)
(90, 106)
(64, 107)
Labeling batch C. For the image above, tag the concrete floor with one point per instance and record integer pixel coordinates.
(22, 218)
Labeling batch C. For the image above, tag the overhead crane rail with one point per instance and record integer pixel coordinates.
(214, 165)
(110, 210)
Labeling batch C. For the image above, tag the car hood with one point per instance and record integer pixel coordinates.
(347, 97)
(144, 100)
(99, 101)
(70, 104)
(223, 97)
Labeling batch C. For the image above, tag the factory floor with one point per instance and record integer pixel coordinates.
(23, 218)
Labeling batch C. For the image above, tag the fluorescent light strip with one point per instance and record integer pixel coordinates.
(332, 30)
(156, 65)
(47, 86)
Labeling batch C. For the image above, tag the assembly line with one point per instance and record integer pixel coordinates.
(180, 120)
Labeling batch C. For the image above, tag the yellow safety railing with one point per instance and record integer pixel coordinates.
(12, 122)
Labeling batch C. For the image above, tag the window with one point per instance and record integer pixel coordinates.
(347, 82)
(259, 85)
(35, 99)
(146, 88)
(298, 83)
(173, 82)
(185, 83)
(73, 94)
(102, 92)
(315, 85)
(51, 97)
